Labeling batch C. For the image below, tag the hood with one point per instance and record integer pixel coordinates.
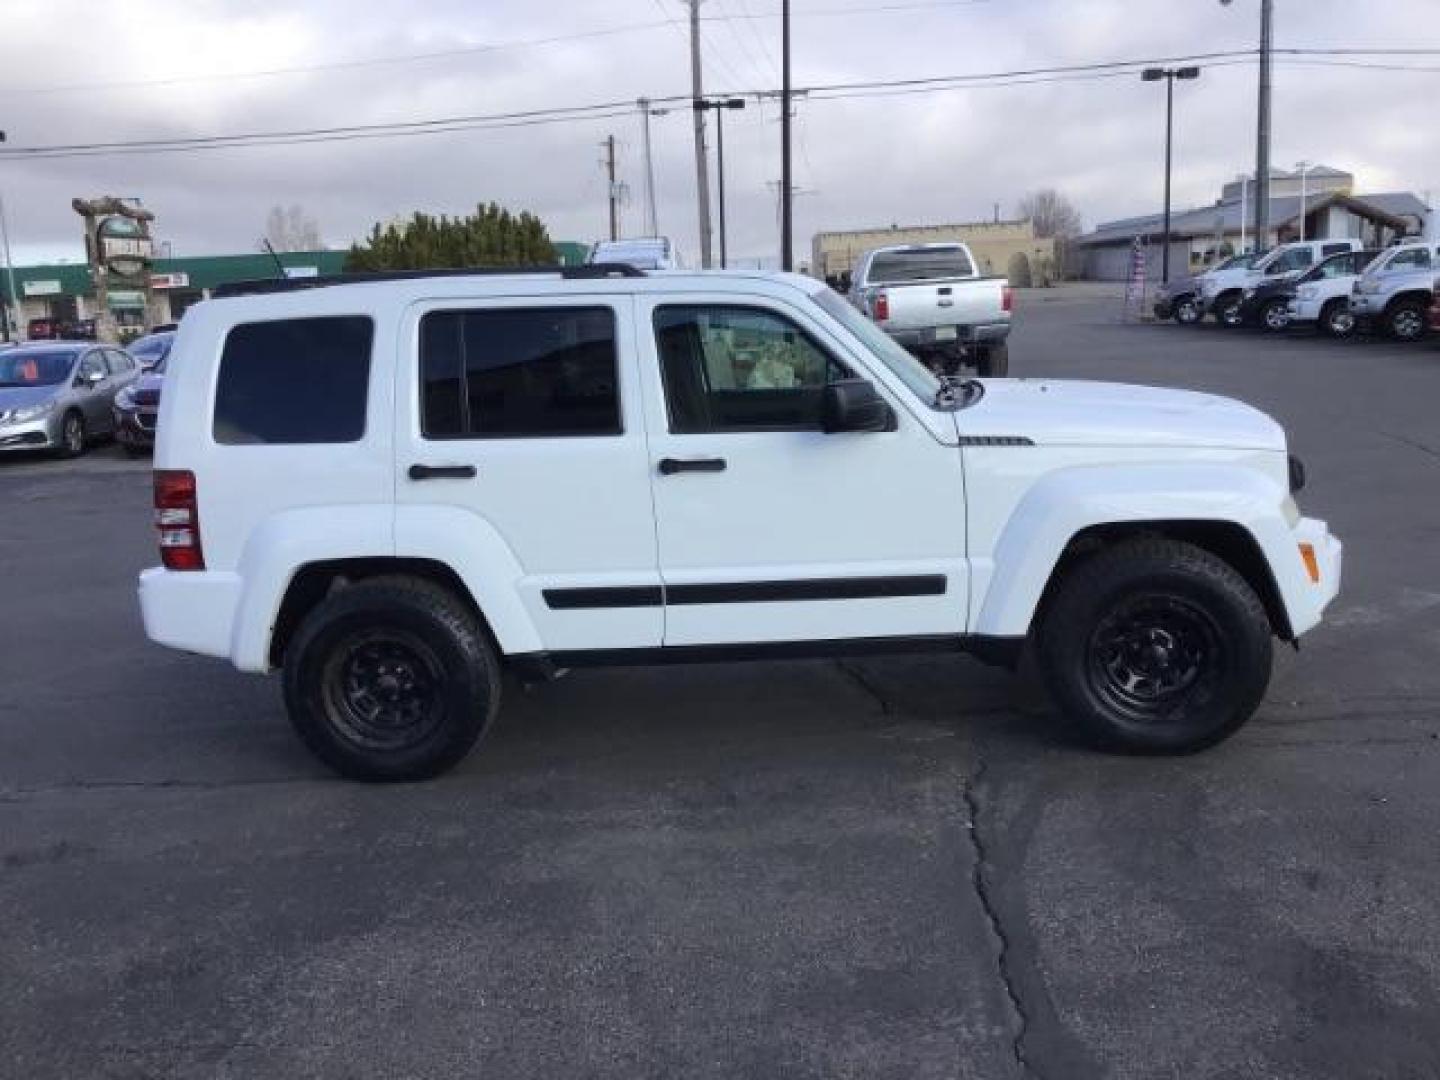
(1074, 413)
(18, 397)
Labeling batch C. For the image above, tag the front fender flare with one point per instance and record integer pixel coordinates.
(1068, 501)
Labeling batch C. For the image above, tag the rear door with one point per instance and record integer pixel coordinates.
(524, 413)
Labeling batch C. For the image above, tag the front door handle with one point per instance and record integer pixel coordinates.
(442, 472)
(670, 466)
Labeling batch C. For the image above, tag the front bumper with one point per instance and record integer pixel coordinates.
(41, 433)
(135, 427)
(1305, 598)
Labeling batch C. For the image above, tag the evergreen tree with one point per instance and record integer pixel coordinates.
(492, 236)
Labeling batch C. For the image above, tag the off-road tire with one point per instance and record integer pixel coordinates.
(1336, 319)
(1199, 603)
(395, 626)
(993, 362)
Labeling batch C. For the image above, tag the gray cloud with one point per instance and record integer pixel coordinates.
(931, 157)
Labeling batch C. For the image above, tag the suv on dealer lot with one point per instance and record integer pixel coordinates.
(393, 489)
(1223, 291)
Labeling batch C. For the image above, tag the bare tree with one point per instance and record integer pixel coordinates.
(1053, 214)
(290, 228)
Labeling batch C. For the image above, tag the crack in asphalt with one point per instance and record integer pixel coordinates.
(1414, 444)
(871, 689)
(16, 795)
(982, 867)
(980, 881)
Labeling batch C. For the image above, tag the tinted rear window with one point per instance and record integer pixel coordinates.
(294, 381)
(508, 372)
(896, 266)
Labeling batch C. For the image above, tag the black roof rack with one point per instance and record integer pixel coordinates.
(279, 285)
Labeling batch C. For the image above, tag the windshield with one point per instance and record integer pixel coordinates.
(919, 264)
(152, 351)
(35, 367)
(907, 369)
(1241, 262)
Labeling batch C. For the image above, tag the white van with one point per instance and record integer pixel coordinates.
(641, 252)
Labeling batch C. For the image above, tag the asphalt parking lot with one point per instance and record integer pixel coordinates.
(879, 868)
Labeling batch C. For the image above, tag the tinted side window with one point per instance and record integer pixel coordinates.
(93, 364)
(740, 369)
(1334, 249)
(294, 381)
(517, 372)
(118, 362)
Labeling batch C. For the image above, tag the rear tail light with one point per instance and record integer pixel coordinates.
(881, 307)
(1007, 299)
(177, 518)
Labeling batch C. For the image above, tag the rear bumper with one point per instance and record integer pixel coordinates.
(943, 337)
(191, 611)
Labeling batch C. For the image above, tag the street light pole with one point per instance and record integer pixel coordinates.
(1169, 75)
(1244, 184)
(787, 190)
(720, 105)
(14, 300)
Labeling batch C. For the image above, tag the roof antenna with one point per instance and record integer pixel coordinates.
(280, 266)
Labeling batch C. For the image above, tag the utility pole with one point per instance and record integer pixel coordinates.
(786, 181)
(1262, 134)
(652, 227)
(611, 189)
(702, 173)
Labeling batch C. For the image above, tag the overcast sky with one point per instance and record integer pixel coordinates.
(915, 158)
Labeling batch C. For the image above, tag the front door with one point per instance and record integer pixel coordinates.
(523, 413)
(769, 529)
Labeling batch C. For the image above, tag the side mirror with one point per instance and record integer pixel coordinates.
(854, 405)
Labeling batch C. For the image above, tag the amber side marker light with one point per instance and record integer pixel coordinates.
(1312, 565)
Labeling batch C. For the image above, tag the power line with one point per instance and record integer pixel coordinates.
(611, 109)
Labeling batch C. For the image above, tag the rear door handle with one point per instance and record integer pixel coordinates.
(670, 466)
(442, 472)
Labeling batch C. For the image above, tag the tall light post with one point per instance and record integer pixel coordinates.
(652, 226)
(720, 105)
(14, 300)
(1303, 168)
(1169, 75)
(787, 189)
(1262, 121)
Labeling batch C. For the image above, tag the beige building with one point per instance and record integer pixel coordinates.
(994, 244)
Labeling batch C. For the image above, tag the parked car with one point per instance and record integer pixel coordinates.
(1267, 303)
(1435, 309)
(641, 252)
(1321, 297)
(731, 466)
(933, 300)
(1396, 290)
(1181, 299)
(138, 405)
(1224, 291)
(58, 396)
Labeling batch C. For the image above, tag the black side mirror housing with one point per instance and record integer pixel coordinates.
(854, 405)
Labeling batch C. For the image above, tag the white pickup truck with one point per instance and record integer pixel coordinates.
(394, 489)
(933, 300)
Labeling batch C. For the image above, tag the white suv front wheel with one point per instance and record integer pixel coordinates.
(1155, 646)
(391, 679)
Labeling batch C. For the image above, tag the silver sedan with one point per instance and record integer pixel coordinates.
(57, 395)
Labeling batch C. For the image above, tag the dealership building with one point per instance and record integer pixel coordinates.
(66, 291)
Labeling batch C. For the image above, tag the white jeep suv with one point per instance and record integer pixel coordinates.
(394, 489)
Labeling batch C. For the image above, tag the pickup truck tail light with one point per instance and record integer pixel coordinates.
(177, 518)
(880, 307)
(1007, 299)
